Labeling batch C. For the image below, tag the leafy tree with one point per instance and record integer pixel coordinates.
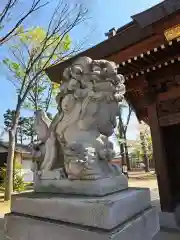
(39, 49)
(28, 129)
(144, 151)
(149, 145)
(8, 122)
(8, 119)
(19, 184)
(136, 155)
(25, 128)
(14, 27)
(144, 147)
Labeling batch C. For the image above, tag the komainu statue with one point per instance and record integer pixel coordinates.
(76, 141)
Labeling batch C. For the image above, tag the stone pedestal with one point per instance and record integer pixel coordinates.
(122, 215)
(51, 182)
(170, 220)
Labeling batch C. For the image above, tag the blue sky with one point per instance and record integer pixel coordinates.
(104, 15)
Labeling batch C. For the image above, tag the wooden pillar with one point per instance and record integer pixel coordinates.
(160, 160)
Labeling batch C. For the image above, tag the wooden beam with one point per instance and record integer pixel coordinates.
(152, 57)
(160, 160)
(137, 84)
(137, 49)
(130, 68)
(147, 59)
(135, 65)
(172, 93)
(160, 63)
(155, 41)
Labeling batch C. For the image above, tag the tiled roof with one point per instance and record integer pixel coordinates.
(130, 34)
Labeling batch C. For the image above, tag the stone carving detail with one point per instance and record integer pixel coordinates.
(77, 138)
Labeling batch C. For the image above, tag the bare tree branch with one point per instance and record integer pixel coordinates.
(36, 5)
(7, 8)
(37, 59)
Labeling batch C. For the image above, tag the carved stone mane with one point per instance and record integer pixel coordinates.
(88, 100)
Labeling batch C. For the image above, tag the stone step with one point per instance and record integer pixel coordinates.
(141, 227)
(100, 212)
(100, 187)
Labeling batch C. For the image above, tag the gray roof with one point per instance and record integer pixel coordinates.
(21, 148)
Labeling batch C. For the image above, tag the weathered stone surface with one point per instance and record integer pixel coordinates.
(101, 212)
(98, 187)
(143, 226)
(168, 220)
(78, 135)
(177, 215)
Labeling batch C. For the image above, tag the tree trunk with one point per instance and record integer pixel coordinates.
(16, 138)
(32, 136)
(21, 139)
(122, 153)
(10, 163)
(146, 162)
(16, 141)
(121, 144)
(127, 155)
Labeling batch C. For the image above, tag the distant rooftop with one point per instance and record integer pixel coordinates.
(19, 148)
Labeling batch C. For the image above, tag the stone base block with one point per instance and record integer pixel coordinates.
(101, 212)
(101, 187)
(169, 221)
(141, 227)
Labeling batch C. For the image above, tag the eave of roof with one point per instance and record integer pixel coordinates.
(126, 36)
(156, 13)
(19, 148)
(103, 50)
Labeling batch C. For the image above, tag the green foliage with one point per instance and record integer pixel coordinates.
(136, 153)
(32, 53)
(15, 68)
(120, 140)
(40, 44)
(25, 128)
(19, 184)
(143, 143)
(8, 119)
(35, 38)
(28, 128)
(42, 95)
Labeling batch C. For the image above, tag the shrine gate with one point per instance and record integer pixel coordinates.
(148, 53)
